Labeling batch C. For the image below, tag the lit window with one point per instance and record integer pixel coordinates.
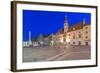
(73, 28)
(86, 27)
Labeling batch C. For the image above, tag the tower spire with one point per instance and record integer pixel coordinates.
(65, 25)
(66, 19)
(84, 21)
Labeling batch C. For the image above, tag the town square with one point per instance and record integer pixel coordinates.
(69, 42)
(48, 53)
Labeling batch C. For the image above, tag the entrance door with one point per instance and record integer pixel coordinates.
(86, 43)
(79, 42)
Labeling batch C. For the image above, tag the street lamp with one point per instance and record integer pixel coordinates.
(61, 40)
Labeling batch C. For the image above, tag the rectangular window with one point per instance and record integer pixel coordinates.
(79, 35)
(74, 37)
(86, 32)
(86, 37)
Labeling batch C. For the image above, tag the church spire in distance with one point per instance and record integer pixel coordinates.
(65, 25)
(84, 21)
(66, 21)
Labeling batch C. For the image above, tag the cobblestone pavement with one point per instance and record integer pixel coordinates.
(56, 53)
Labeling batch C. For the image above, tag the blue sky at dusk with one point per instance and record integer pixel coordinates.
(48, 22)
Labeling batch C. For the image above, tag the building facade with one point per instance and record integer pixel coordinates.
(79, 34)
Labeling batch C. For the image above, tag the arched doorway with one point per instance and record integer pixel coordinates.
(79, 42)
(86, 43)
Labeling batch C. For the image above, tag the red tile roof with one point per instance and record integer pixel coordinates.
(76, 27)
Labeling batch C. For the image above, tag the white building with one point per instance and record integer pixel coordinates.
(25, 44)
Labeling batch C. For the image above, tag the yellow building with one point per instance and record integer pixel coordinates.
(87, 35)
(79, 34)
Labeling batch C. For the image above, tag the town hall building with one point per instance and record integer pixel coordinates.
(78, 34)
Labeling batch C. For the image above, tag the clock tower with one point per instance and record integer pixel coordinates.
(65, 25)
(65, 28)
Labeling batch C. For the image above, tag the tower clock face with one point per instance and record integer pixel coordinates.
(65, 26)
